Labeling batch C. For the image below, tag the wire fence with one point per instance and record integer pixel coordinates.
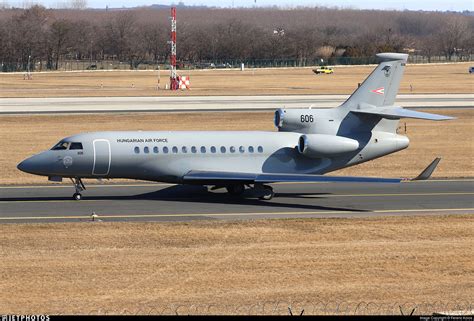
(38, 65)
(461, 307)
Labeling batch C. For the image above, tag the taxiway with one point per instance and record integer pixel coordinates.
(165, 202)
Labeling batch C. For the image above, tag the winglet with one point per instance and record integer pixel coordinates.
(424, 175)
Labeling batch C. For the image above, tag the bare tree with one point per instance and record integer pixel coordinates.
(28, 35)
(302, 34)
(429, 46)
(452, 36)
(325, 51)
(118, 34)
(59, 38)
(154, 38)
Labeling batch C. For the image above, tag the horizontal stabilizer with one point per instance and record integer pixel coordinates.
(398, 112)
(210, 177)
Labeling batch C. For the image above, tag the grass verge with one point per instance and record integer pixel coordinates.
(231, 267)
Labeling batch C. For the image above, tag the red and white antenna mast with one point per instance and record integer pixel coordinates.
(173, 75)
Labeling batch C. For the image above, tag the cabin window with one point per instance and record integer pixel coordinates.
(260, 149)
(75, 146)
(193, 149)
(146, 150)
(250, 149)
(137, 150)
(61, 146)
(175, 150)
(184, 149)
(213, 149)
(203, 149)
(165, 150)
(155, 150)
(242, 149)
(222, 149)
(232, 149)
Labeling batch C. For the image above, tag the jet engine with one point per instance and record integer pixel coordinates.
(294, 119)
(320, 145)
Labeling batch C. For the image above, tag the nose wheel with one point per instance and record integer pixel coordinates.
(79, 186)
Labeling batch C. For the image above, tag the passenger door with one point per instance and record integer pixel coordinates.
(102, 157)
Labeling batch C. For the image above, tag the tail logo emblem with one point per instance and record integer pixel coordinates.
(378, 91)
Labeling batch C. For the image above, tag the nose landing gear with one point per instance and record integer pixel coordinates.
(79, 186)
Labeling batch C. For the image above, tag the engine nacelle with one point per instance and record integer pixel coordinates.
(319, 145)
(293, 119)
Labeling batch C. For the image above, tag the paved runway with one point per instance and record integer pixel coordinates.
(165, 202)
(211, 103)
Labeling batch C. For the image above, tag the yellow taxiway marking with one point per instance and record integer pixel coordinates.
(392, 194)
(307, 196)
(105, 216)
(88, 186)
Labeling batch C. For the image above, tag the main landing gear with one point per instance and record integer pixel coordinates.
(235, 190)
(266, 192)
(263, 192)
(79, 186)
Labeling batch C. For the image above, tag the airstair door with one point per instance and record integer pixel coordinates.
(102, 157)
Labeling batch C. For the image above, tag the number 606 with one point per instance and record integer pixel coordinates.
(307, 118)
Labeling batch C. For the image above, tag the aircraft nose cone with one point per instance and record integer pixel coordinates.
(24, 166)
(27, 166)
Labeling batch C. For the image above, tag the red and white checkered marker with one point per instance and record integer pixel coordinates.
(184, 82)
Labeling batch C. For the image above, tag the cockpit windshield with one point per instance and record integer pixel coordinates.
(61, 146)
(75, 146)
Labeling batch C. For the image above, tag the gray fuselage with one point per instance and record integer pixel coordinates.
(167, 155)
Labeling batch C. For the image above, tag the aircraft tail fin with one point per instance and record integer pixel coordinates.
(381, 86)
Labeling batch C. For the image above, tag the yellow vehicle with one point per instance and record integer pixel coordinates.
(323, 70)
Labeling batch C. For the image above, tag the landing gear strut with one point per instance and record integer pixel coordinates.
(236, 190)
(79, 186)
(263, 192)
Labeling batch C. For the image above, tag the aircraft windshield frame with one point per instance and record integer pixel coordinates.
(62, 145)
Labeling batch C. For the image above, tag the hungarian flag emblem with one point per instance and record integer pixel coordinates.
(378, 91)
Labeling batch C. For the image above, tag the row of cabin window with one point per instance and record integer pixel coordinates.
(194, 149)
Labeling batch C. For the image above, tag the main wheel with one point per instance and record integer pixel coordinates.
(77, 196)
(236, 189)
(268, 193)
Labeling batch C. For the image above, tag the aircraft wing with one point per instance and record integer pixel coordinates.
(222, 178)
(211, 177)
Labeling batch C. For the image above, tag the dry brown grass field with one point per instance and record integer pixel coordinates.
(432, 78)
(22, 136)
(224, 266)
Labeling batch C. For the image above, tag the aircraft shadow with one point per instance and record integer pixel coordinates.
(199, 194)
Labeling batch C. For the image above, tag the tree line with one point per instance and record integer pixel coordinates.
(48, 36)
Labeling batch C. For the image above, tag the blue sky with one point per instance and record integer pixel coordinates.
(441, 5)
